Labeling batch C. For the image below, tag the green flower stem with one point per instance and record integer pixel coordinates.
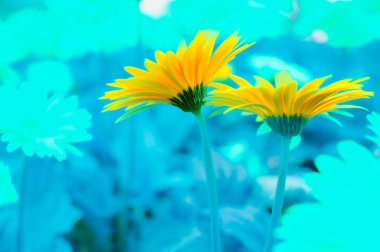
(280, 193)
(21, 210)
(211, 183)
(120, 232)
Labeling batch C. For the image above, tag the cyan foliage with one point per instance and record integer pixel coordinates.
(345, 216)
(8, 194)
(146, 173)
(48, 213)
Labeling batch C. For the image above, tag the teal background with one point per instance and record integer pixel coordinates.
(139, 185)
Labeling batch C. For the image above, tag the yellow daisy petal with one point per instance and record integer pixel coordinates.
(180, 79)
(284, 107)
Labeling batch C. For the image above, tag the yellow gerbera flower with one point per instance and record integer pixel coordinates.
(284, 107)
(179, 79)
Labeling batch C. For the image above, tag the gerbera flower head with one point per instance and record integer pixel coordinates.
(284, 107)
(42, 125)
(177, 78)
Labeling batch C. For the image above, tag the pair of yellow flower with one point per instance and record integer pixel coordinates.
(182, 79)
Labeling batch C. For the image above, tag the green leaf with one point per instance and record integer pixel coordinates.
(296, 140)
(329, 117)
(263, 129)
(342, 112)
(216, 113)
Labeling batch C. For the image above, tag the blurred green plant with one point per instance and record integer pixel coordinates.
(340, 23)
(69, 29)
(190, 16)
(266, 66)
(345, 218)
(374, 126)
(8, 194)
(8, 75)
(64, 31)
(59, 71)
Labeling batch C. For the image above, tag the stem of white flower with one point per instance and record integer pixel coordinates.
(21, 205)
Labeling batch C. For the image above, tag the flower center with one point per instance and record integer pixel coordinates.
(287, 125)
(191, 99)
